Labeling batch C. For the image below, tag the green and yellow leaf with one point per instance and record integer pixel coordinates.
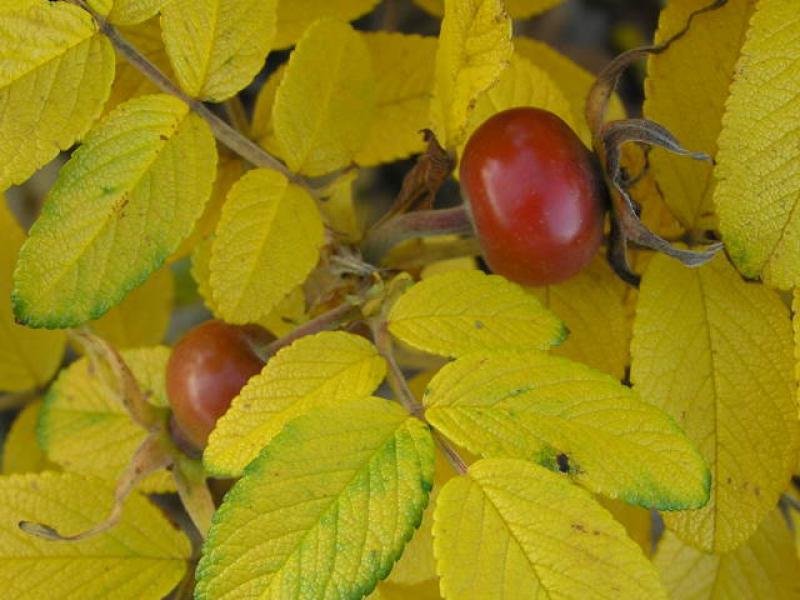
(55, 77)
(295, 16)
(132, 12)
(510, 529)
(460, 312)
(120, 207)
(217, 47)
(716, 353)
(322, 370)
(267, 243)
(28, 357)
(568, 417)
(325, 103)
(685, 90)
(143, 317)
(142, 557)
(474, 49)
(766, 566)
(593, 309)
(325, 509)
(21, 451)
(83, 426)
(758, 163)
(404, 73)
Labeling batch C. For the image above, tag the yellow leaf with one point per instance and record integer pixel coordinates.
(142, 557)
(262, 127)
(217, 47)
(229, 170)
(521, 84)
(288, 314)
(568, 417)
(325, 510)
(474, 49)
(716, 353)
(509, 529)
(428, 590)
(417, 564)
(84, 427)
(320, 370)
(571, 79)
(758, 164)
(28, 358)
(21, 451)
(765, 567)
(267, 243)
(56, 74)
(143, 317)
(593, 309)
(467, 311)
(637, 521)
(295, 16)
(120, 207)
(685, 90)
(340, 210)
(131, 12)
(201, 257)
(325, 102)
(404, 71)
(518, 9)
(129, 81)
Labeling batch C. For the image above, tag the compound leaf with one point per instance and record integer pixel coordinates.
(325, 369)
(766, 566)
(474, 48)
(56, 74)
(716, 353)
(217, 47)
(28, 357)
(267, 243)
(686, 88)
(467, 311)
(142, 557)
(525, 532)
(758, 164)
(120, 207)
(325, 101)
(83, 426)
(325, 509)
(568, 417)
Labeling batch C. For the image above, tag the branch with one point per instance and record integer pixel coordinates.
(238, 143)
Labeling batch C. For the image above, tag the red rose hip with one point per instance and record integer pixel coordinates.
(206, 370)
(534, 194)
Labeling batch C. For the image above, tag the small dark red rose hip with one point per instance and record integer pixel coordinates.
(206, 370)
(534, 194)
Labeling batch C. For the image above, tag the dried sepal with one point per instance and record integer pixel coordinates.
(608, 138)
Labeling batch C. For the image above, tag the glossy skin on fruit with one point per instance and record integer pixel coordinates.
(207, 368)
(534, 195)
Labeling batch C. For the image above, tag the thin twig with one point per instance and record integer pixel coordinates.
(238, 143)
(324, 322)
